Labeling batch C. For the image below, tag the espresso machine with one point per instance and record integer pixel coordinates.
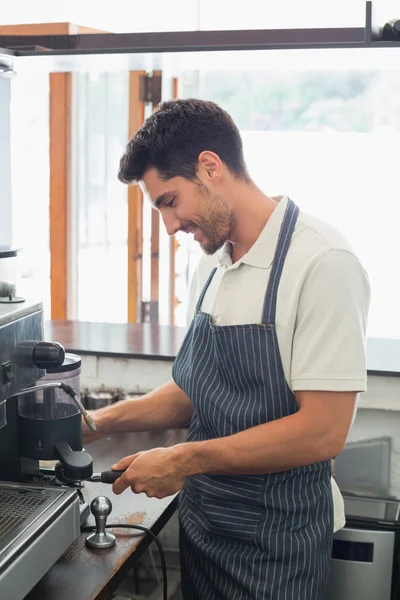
(41, 509)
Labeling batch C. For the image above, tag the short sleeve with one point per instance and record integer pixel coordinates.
(329, 344)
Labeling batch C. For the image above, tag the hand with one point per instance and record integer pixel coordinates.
(158, 473)
(87, 435)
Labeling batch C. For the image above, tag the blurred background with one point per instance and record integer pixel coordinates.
(319, 125)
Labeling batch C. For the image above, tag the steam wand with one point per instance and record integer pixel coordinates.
(69, 390)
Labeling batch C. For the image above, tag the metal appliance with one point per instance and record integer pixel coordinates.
(365, 562)
(363, 468)
(41, 511)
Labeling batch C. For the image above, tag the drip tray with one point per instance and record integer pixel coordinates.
(18, 510)
(25, 513)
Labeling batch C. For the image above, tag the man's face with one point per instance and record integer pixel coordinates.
(191, 207)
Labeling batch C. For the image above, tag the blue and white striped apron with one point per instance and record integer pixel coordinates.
(249, 536)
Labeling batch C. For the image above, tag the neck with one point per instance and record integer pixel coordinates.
(252, 209)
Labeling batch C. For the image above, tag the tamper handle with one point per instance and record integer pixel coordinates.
(101, 507)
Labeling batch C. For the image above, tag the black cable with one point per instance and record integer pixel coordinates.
(155, 539)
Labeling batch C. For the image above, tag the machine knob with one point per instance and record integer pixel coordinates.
(101, 507)
(43, 355)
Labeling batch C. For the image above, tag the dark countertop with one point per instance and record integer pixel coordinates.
(85, 574)
(127, 340)
(161, 342)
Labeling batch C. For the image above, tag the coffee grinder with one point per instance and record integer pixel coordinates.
(50, 423)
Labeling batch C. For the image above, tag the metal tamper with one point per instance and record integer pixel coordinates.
(101, 507)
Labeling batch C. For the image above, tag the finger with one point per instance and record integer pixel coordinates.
(121, 484)
(124, 463)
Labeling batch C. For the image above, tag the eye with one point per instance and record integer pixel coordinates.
(171, 202)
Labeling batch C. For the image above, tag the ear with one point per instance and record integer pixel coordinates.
(209, 166)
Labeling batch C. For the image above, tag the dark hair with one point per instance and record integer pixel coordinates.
(172, 138)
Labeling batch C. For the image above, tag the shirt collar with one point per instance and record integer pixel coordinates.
(262, 252)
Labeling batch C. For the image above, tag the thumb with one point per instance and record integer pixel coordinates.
(124, 463)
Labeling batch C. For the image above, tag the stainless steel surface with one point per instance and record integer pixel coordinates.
(100, 539)
(9, 485)
(19, 508)
(18, 322)
(365, 555)
(101, 507)
(88, 419)
(40, 386)
(10, 313)
(363, 468)
(379, 510)
(37, 525)
(362, 580)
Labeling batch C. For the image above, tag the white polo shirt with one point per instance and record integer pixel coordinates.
(322, 305)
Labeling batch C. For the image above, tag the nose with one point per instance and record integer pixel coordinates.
(172, 224)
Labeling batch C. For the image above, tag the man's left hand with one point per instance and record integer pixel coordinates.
(158, 473)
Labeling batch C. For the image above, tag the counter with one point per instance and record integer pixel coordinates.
(162, 342)
(83, 573)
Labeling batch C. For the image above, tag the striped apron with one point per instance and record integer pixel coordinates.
(249, 536)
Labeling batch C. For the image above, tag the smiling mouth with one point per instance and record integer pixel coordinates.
(190, 229)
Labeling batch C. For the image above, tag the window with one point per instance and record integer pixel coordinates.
(30, 183)
(99, 138)
(327, 137)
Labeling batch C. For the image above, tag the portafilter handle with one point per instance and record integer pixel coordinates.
(106, 476)
(75, 465)
(101, 507)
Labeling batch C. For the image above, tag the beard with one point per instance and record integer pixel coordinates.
(216, 221)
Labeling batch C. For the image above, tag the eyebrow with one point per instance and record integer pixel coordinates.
(163, 198)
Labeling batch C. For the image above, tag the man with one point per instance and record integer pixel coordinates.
(267, 376)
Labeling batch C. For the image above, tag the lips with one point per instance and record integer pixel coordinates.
(190, 229)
